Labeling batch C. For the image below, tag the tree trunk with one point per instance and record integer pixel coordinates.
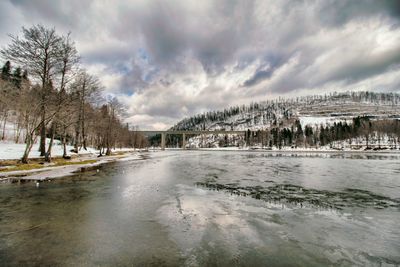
(64, 150)
(78, 127)
(18, 133)
(42, 147)
(47, 157)
(83, 128)
(108, 142)
(83, 115)
(100, 151)
(4, 126)
(77, 133)
(28, 147)
(76, 148)
(64, 141)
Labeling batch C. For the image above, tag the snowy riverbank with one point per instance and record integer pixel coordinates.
(12, 151)
(83, 163)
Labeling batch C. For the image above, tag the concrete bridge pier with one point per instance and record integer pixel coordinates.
(201, 133)
(163, 141)
(183, 141)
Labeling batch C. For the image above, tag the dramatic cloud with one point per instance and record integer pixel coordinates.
(170, 59)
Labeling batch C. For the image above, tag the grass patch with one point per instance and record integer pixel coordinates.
(63, 162)
(8, 162)
(55, 163)
(23, 167)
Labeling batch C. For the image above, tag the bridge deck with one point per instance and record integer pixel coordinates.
(194, 132)
(185, 133)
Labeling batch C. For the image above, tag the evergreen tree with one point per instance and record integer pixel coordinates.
(6, 71)
(25, 75)
(17, 77)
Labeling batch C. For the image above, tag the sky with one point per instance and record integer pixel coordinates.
(166, 59)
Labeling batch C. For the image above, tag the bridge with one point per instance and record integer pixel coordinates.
(185, 133)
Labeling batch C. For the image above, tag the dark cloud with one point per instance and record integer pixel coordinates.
(60, 14)
(338, 13)
(265, 71)
(366, 67)
(169, 59)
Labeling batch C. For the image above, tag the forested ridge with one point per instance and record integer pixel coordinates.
(362, 118)
(278, 110)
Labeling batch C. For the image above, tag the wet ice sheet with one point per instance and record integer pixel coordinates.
(160, 211)
(213, 227)
(298, 210)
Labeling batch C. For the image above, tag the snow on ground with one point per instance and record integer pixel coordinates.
(312, 121)
(11, 150)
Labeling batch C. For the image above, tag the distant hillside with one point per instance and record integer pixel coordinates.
(308, 109)
(353, 120)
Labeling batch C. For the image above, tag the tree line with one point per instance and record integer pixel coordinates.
(48, 95)
(361, 132)
(361, 127)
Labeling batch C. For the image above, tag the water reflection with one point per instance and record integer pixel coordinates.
(201, 208)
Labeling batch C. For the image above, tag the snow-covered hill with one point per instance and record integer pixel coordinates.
(294, 115)
(315, 109)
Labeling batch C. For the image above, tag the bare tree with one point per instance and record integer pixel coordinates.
(69, 61)
(115, 109)
(30, 107)
(58, 97)
(38, 51)
(87, 89)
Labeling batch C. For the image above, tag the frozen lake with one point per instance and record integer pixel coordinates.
(209, 208)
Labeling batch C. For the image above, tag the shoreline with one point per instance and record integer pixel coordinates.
(53, 172)
(387, 151)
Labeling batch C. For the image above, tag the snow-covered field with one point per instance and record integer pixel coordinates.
(11, 150)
